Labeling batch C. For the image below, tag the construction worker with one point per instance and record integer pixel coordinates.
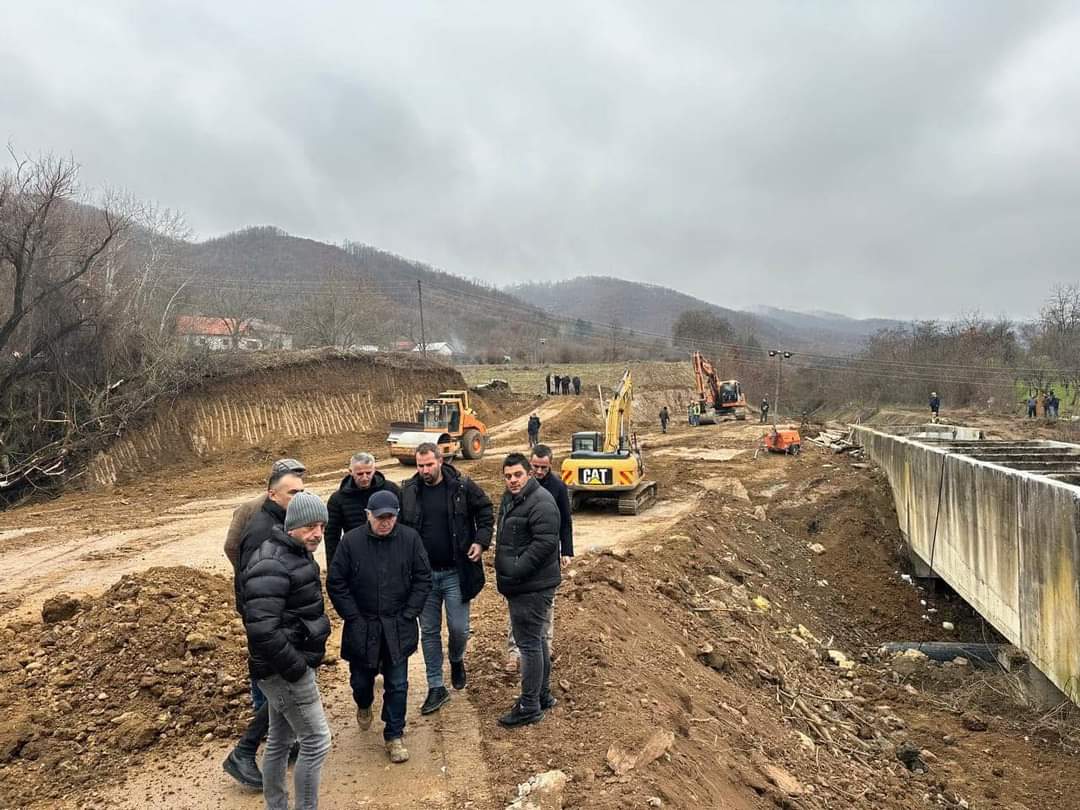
(284, 483)
(379, 583)
(534, 429)
(764, 410)
(287, 628)
(454, 518)
(527, 574)
(664, 417)
(347, 506)
(935, 406)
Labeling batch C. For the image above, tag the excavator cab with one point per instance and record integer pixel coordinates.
(607, 465)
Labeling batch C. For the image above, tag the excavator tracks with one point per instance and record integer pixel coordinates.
(641, 498)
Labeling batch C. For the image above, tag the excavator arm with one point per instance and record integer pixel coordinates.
(708, 383)
(617, 419)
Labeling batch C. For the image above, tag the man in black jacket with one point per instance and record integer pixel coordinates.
(348, 506)
(534, 429)
(540, 469)
(527, 574)
(454, 518)
(283, 485)
(378, 584)
(287, 629)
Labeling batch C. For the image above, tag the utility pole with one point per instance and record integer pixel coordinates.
(780, 356)
(543, 341)
(423, 335)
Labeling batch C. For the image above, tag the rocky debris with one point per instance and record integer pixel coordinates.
(544, 791)
(910, 756)
(759, 513)
(972, 722)
(734, 488)
(59, 608)
(158, 659)
(908, 662)
(656, 746)
(777, 776)
(817, 548)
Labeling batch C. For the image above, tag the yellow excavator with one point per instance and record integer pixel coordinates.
(608, 465)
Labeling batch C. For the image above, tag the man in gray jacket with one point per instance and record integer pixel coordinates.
(527, 574)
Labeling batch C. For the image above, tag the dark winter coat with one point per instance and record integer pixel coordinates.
(935, 404)
(284, 615)
(378, 586)
(256, 532)
(557, 489)
(527, 552)
(472, 521)
(347, 508)
(534, 425)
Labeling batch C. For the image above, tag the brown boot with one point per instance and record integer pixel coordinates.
(363, 717)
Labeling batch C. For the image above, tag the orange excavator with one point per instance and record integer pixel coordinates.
(717, 399)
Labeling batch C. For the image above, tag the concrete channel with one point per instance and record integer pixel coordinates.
(999, 521)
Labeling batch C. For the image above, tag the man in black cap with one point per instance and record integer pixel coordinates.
(348, 506)
(379, 582)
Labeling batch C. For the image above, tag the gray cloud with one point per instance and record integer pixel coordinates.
(875, 158)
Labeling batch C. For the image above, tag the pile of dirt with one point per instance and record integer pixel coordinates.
(157, 660)
(718, 665)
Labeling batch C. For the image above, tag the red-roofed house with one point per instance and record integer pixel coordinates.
(217, 334)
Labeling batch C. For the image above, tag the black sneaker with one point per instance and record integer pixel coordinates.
(436, 699)
(518, 717)
(548, 701)
(458, 678)
(244, 770)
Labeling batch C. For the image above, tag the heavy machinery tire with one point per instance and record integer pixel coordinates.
(472, 444)
(795, 449)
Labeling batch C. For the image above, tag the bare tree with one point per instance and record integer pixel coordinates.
(50, 244)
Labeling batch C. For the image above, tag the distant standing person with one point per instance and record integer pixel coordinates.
(527, 574)
(347, 506)
(764, 410)
(566, 385)
(1032, 406)
(454, 518)
(577, 386)
(534, 430)
(379, 583)
(935, 406)
(664, 417)
(1052, 404)
(547, 381)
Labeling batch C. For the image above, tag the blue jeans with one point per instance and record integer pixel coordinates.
(395, 691)
(445, 589)
(257, 696)
(296, 712)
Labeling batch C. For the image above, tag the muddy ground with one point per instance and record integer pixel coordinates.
(700, 630)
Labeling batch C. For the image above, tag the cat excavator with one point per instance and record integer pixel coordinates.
(716, 399)
(608, 465)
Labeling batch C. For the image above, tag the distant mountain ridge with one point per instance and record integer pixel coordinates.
(653, 309)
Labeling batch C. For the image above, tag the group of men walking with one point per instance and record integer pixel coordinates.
(557, 384)
(399, 559)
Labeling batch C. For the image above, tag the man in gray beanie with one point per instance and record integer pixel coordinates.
(287, 628)
(251, 526)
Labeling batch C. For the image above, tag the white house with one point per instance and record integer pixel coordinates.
(441, 348)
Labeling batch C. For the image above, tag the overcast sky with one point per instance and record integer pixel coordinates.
(895, 158)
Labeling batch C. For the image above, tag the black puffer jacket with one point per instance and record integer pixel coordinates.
(378, 586)
(527, 552)
(284, 615)
(472, 522)
(557, 489)
(347, 509)
(256, 532)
